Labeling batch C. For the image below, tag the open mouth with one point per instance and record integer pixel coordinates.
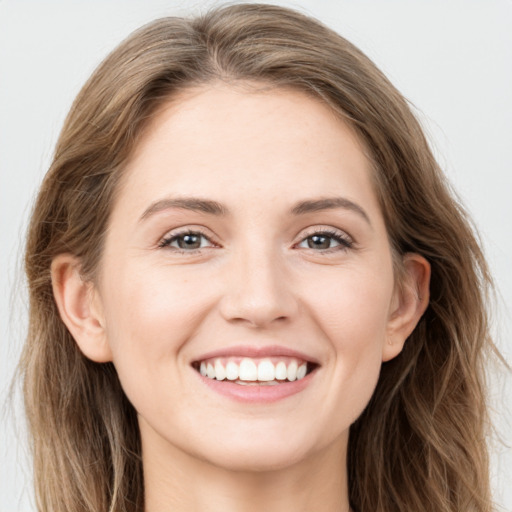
(247, 371)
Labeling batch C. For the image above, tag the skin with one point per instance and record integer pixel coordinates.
(154, 309)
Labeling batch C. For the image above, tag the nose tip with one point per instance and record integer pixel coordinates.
(254, 315)
(258, 296)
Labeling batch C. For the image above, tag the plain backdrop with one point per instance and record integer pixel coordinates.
(451, 58)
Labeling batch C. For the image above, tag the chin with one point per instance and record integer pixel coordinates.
(254, 461)
(259, 453)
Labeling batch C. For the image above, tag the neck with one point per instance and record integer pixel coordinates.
(176, 481)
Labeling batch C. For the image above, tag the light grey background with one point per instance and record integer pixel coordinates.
(451, 58)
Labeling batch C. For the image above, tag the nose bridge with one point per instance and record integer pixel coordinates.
(257, 289)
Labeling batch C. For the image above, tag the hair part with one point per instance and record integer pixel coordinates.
(420, 443)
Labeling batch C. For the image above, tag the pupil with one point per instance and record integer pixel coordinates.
(189, 242)
(319, 242)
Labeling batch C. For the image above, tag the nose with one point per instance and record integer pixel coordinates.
(258, 293)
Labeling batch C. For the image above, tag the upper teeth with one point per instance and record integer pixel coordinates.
(248, 369)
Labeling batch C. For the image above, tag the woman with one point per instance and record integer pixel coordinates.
(250, 286)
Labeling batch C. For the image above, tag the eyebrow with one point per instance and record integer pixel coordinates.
(186, 203)
(329, 203)
(208, 206)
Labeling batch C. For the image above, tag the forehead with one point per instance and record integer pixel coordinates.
(230, 142)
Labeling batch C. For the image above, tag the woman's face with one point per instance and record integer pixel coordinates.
(247, 236)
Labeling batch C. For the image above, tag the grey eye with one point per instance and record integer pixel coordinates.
(189, 241)
(321, 241)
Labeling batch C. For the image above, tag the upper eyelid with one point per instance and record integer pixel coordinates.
(324, 229)
(183, 230)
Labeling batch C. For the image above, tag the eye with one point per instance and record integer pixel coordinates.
(186, 241)
(326, 241)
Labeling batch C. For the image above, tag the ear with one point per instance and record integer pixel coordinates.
(80, 308)
(410, 300)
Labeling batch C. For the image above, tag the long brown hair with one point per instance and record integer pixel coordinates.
(420, 444)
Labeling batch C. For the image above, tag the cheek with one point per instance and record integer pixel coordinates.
(149, 304)
(353, 305)
(352, 312)
(150, 315)
(150, 318)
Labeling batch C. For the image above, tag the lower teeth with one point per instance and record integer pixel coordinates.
(257, 383)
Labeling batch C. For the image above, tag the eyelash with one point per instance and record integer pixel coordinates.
(344, 241)
(168, 240)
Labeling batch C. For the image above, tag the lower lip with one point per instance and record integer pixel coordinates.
(257, 393)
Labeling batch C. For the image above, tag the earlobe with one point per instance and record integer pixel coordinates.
(411, 299)
(80, 308)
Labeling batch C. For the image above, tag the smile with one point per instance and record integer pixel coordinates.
(254, 371)
(256, 374)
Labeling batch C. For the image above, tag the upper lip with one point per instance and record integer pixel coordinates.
(257, 351)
